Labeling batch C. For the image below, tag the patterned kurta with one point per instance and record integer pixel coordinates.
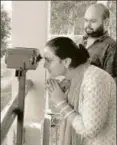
(89, 114)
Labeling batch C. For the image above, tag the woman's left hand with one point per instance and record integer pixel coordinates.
(55, 91)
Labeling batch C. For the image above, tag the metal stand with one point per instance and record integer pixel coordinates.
(21, 74)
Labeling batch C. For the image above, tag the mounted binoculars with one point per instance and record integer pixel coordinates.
(20, 57)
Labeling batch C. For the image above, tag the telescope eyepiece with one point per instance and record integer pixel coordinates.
(39, 57)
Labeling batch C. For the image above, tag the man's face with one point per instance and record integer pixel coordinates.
(53, 63)
(93, 22)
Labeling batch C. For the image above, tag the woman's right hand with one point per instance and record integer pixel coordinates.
(64, 85)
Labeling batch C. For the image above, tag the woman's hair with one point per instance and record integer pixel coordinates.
(64, 48)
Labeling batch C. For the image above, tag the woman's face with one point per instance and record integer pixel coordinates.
(53, 63)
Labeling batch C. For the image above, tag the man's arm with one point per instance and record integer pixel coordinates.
(115, 64)
(109, 57)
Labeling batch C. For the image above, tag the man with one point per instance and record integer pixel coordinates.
(100, 45)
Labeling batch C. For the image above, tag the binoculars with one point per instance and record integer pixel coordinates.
(20, 57)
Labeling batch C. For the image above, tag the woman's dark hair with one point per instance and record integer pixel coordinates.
(64, 47)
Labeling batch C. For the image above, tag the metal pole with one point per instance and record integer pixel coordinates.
(21, 101)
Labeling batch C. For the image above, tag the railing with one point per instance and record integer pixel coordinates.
(7, 117)
(51, 120)
(15, 109)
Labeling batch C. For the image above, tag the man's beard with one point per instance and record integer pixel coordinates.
(97, 33)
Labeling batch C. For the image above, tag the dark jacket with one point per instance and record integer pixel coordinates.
(115, 65)
(102, 53)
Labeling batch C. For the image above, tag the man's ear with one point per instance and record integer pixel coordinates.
(106, 23)
(67, 62)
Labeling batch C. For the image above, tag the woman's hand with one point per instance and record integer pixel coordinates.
(65, 85)
(55, 91)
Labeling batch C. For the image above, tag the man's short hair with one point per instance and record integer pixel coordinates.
(106, 13)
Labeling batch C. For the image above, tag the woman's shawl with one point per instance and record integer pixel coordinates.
(67, 133)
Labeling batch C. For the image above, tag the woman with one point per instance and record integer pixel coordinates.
(88, 107)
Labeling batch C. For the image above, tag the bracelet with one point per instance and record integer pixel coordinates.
(63, 109)
(68, 113)
(62, 102)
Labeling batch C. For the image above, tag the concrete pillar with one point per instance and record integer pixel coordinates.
(29, 29)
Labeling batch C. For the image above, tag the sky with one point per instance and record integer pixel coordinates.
(7, 5)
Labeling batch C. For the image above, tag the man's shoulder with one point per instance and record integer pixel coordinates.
(109, 40)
